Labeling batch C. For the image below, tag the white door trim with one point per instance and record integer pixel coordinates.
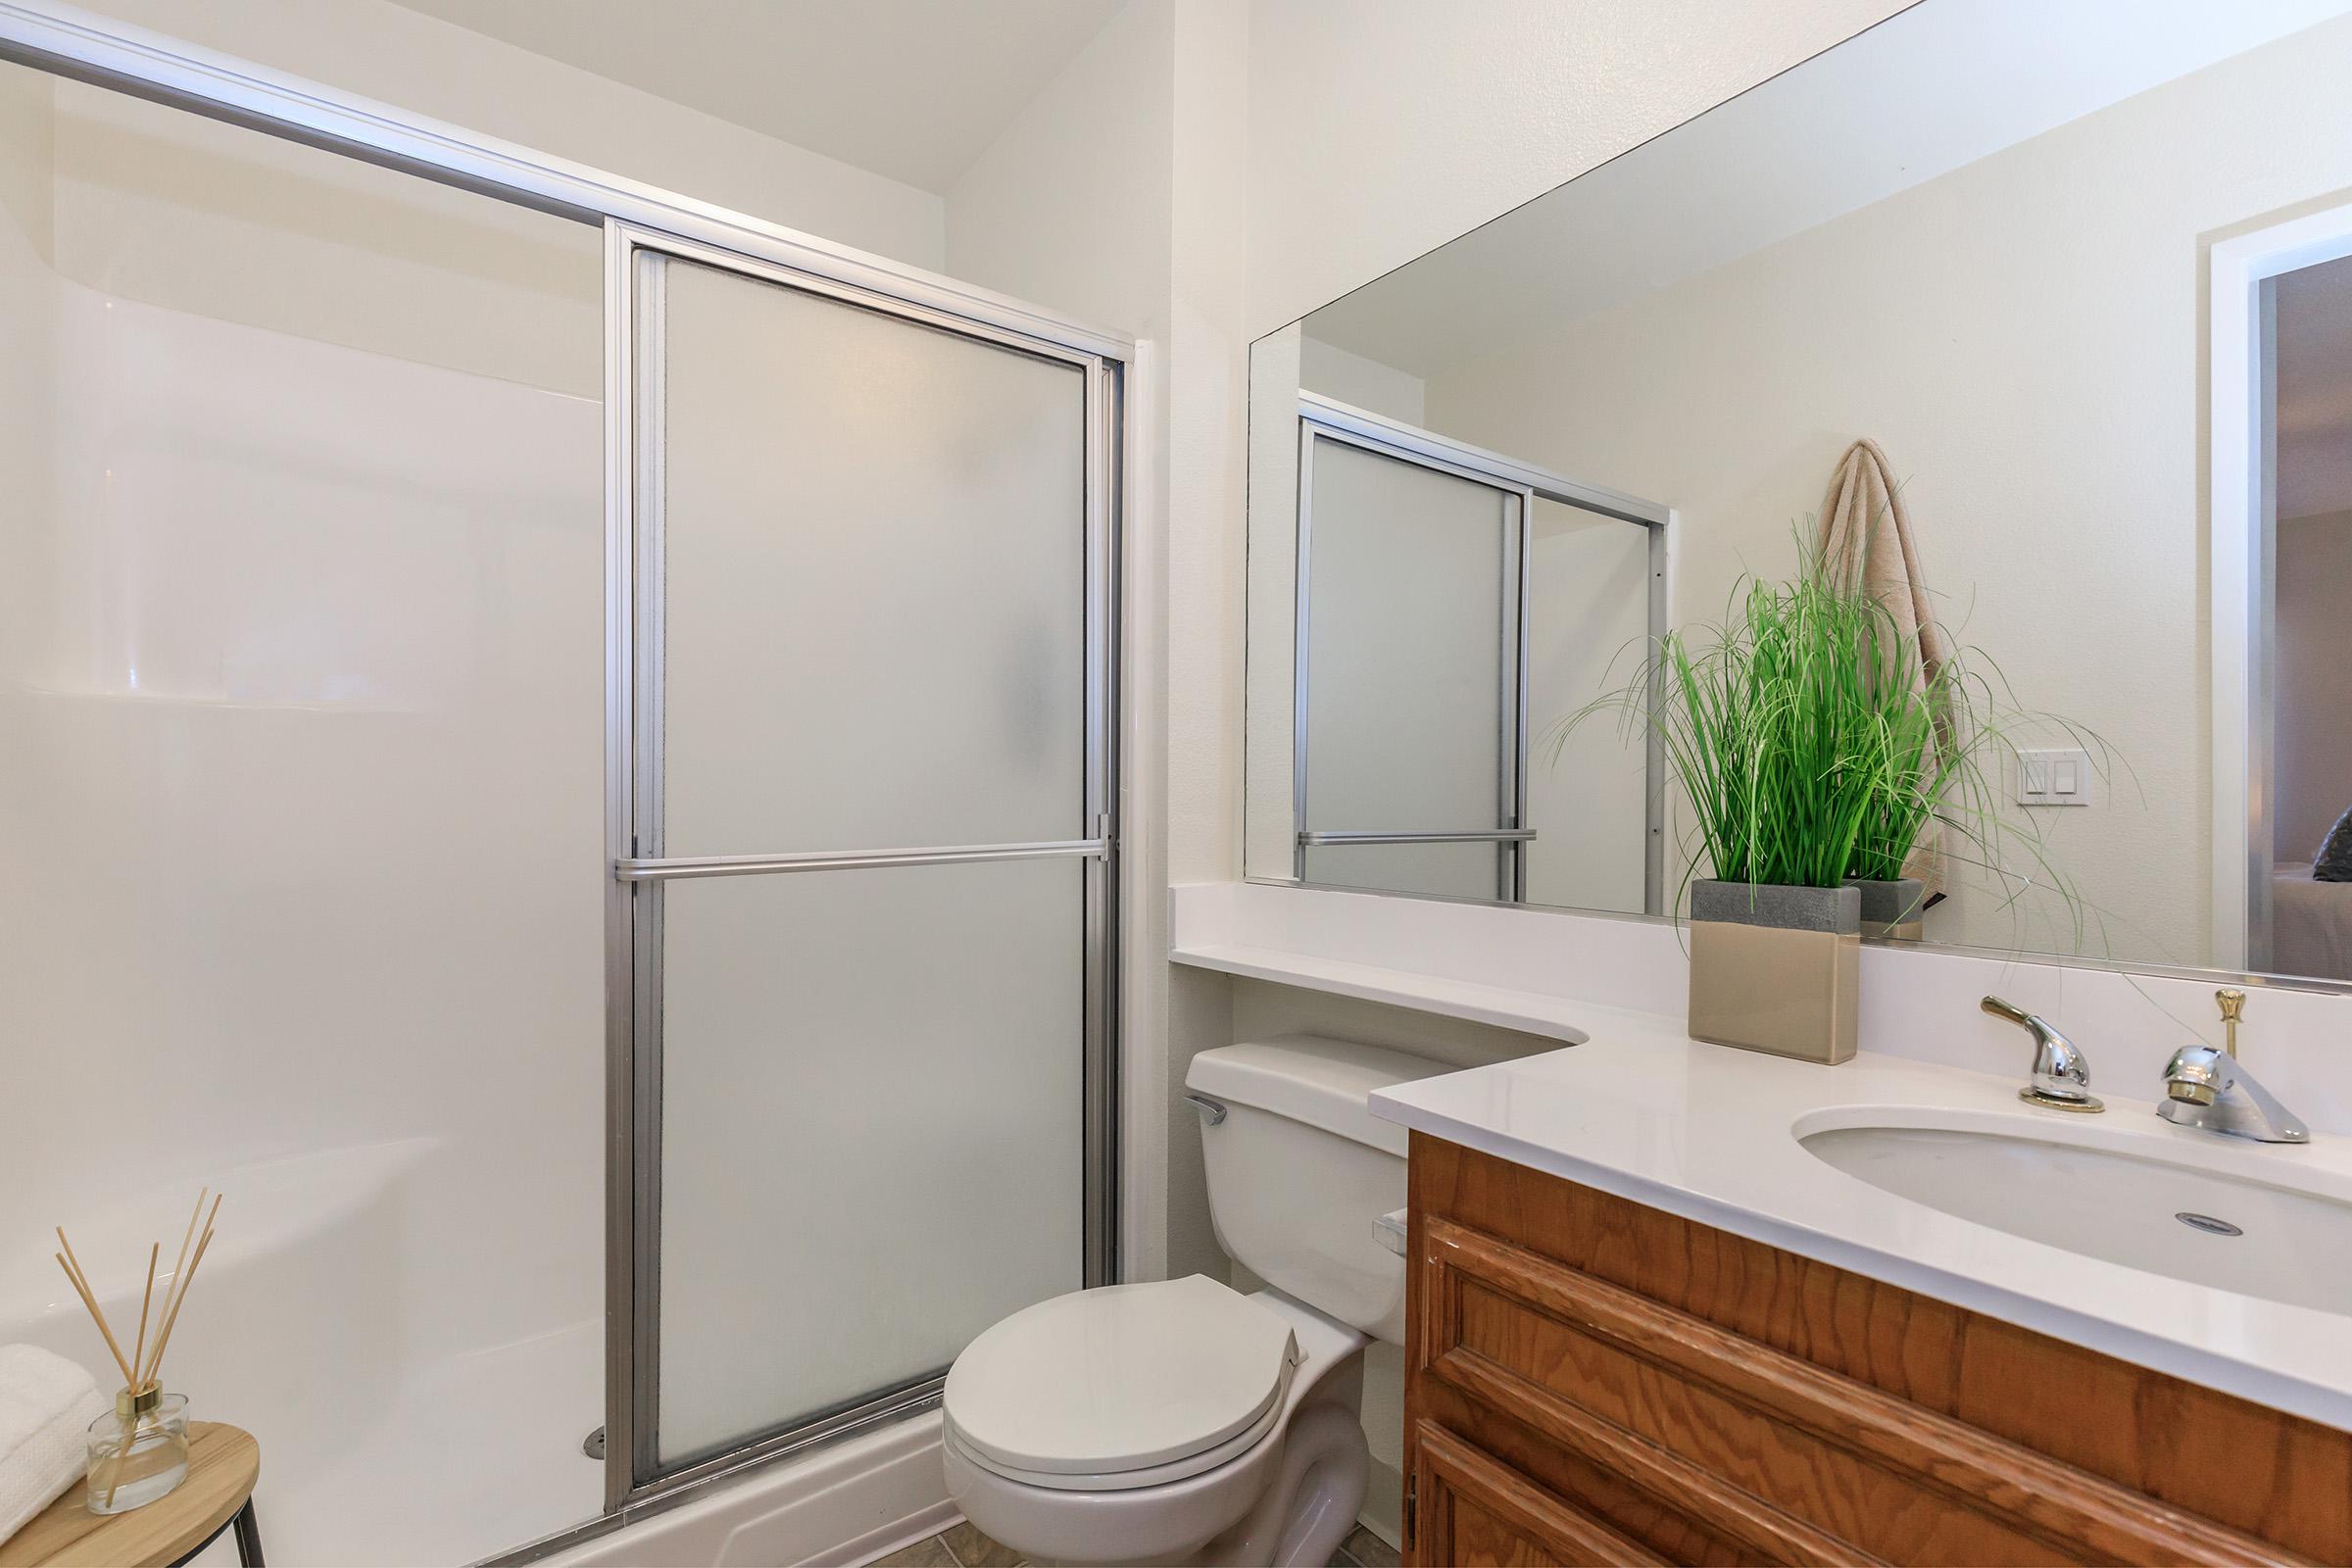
(2241, 622)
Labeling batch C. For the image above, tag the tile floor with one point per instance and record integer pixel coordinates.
(963, 1546)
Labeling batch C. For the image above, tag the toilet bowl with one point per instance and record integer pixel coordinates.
(1286, 1486)
(1180, 1421)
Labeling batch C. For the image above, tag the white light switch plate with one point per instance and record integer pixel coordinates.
(2053, 777)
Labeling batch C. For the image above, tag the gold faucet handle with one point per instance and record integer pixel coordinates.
(2233, 1008)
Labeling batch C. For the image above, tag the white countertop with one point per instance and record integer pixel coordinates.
(1705, 1132)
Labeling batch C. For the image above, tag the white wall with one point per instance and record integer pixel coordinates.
(388, 52)
(2024, 335)
(1071, 205)
(2314, 725)
(1382, 128)
(1351, 378)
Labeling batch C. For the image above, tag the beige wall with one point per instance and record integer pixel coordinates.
(1382, 128)
(388, 52)
(2024, 336)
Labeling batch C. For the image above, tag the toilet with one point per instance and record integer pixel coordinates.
(1180, 1421)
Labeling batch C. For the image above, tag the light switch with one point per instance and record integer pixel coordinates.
(2060, 777)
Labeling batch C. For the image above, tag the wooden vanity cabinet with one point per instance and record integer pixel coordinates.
(1592, 1381)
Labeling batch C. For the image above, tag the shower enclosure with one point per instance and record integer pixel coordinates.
(446, 813)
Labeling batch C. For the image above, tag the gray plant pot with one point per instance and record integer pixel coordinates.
(1892, 910)
(1775, 968)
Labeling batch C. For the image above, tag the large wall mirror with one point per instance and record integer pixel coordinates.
(2081, 279)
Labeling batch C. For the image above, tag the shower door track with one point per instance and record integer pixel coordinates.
(66, 42)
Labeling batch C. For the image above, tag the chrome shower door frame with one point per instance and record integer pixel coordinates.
(66, 41)
(641, 869)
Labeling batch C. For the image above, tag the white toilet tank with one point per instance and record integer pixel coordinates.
(1299, 1169)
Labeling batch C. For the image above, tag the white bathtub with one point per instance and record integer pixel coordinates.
(400, 1422)
(847, 1503)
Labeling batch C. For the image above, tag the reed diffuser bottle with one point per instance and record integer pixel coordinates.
(139, 1451)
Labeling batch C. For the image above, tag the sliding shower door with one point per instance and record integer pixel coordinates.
(861, 845)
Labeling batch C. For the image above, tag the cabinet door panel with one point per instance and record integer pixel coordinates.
(1472, 1511)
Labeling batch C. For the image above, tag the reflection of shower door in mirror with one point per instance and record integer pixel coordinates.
(864, 858)
(1411, 734)
(1453, 608)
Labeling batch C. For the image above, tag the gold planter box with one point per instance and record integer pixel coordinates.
(1775, 968)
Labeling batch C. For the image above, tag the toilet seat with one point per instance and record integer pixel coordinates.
(1121, 1387)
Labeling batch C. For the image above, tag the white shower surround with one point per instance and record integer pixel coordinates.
(306, 676)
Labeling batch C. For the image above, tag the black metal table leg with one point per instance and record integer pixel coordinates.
(249, 1536)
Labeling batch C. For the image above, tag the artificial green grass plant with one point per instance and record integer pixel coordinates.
(1771, 727)
(1812, 749)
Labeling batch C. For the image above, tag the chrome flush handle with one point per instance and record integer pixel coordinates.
(1212, 1112)
(2061, 1072)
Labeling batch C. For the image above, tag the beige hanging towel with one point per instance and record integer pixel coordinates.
(1866, 542)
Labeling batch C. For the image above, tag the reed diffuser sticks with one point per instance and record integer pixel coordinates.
(140, 1368)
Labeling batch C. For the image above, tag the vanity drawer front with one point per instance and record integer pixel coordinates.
(1473, 1511)
(1771, 1453)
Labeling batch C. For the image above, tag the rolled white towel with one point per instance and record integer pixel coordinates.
(46, 1405)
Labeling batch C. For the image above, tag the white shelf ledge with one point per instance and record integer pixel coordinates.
(1525, 1012)
(1535, 976)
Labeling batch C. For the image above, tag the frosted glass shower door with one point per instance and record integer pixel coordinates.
(868, 875)
(1408, 735)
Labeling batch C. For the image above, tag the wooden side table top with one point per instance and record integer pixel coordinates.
(224, 1463)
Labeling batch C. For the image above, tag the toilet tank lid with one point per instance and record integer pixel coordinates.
(1307, 1078)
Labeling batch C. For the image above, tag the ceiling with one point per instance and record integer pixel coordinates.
(912, 89)
(2315, 390)
(1897, 105)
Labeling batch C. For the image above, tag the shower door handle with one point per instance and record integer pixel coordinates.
(1500, 835)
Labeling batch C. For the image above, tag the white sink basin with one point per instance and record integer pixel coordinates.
(2141, 1200)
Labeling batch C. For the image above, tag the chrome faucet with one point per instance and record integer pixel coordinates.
(2061, 1072)
(2212, 1090)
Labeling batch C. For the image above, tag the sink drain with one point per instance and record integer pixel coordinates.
(2207, 1224)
